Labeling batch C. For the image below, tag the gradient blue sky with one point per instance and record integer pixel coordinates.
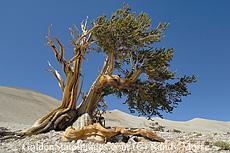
(199, 30)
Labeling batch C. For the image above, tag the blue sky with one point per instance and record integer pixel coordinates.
(199, 31)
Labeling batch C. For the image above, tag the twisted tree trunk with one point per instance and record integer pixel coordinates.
(65, 115)
(105, 79)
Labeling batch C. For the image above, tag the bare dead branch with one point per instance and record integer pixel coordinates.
(59, 55)
(57, 76)
(86, 33)
(61, 48)
(50, 43)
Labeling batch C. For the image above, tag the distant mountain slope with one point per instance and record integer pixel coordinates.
(119, 118)
(24, 106)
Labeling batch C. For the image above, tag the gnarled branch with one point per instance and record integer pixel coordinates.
(90, 102)
(58, 54)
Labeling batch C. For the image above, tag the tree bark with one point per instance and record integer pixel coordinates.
(64, 116)
(105, 79)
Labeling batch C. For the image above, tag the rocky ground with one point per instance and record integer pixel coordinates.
(20, 107)
(176, 142)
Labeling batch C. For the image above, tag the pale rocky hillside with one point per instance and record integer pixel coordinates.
(20, 108)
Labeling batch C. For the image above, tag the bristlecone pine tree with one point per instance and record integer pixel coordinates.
(133, 68)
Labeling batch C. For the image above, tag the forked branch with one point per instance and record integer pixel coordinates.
(58, 54)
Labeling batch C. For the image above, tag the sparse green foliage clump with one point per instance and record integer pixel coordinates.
(130, 38)
(222, 145)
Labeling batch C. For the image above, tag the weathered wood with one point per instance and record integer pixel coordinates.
(97, 130)
(64, 116)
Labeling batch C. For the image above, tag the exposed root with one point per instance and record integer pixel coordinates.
(6, 134)
(58, 120)
(97, 130)
(12, 136)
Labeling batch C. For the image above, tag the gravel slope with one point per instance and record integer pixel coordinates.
(20, 108)
(176, 142)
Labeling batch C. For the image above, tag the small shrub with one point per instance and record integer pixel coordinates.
(158, 128)
(207, 143)
(223, 145)
(177, 131)
(198, 134)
